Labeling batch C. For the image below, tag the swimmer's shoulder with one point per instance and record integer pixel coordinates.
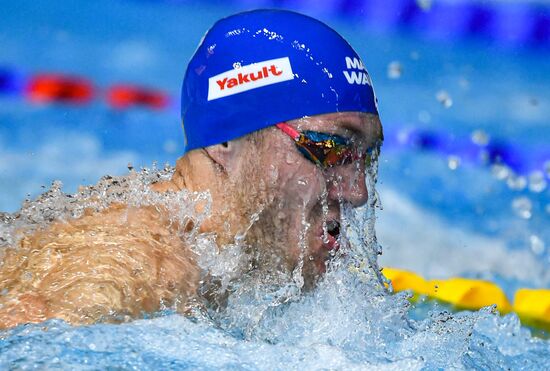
(120, 261)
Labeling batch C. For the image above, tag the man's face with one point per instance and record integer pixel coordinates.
(298, 202)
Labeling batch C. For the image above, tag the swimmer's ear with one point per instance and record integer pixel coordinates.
(224, 154)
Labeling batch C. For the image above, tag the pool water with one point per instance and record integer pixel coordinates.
(445, 212)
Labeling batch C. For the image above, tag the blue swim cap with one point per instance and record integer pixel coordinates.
(258, 68)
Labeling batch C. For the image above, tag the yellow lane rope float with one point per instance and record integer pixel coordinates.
(531, 305)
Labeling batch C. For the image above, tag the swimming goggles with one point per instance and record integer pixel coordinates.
(325, 150)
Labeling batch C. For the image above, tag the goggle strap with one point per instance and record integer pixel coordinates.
(289, 130)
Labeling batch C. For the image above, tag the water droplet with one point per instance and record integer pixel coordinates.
(170, 146)
(523, 207)
(56, 185)
(296, 44)
(516, 183)
(27, 276)
(92, 346)
(480, 137)
(453, 162)
(425, 5)
(327, 72)
(424, 117)
(444, 98)
(395, 69)
(274, 175)
(290, 159)
(500, 171)
(537, 245)
(537, 183)
(464, 83)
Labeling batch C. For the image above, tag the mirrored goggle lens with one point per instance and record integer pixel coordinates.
(325, 149)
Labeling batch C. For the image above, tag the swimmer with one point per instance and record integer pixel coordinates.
(280, 125)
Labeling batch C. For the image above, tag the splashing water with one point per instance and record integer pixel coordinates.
(349, 321)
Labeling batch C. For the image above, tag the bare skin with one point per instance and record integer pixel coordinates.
(104, 266)
(116, 264)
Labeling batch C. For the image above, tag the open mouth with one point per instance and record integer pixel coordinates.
(333, 228)
(330, 241)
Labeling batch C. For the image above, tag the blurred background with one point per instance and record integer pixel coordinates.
(89, 88)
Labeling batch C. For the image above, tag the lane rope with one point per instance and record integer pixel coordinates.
(58, 88)
(532, 306)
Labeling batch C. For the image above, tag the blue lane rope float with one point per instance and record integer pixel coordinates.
(486, 153)
(12, 81)
(503, 23)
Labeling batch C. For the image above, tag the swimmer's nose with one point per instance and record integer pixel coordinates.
(349, 184)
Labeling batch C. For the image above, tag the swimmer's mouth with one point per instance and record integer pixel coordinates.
(333, 232)
(333, 228)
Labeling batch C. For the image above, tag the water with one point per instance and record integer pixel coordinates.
(453, 216)
(477, 341)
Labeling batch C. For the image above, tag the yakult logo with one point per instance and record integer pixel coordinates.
(249, 77)
(357, 73)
